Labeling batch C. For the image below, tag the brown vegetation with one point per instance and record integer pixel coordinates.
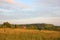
(25, 34)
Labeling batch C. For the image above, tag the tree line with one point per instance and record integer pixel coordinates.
(41, 26)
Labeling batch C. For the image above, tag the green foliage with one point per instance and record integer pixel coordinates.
(6, 25)
(16, 26)
(57, 28)
(49, 26)
(41, 26)
(32, 26)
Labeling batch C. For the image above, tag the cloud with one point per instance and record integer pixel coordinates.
(47, 8)
(48, 3)
(9, 1)
(10, 9)
(13, 3)
(5, 10)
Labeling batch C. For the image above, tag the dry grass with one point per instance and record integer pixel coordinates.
(25, 34)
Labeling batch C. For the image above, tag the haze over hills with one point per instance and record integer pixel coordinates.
(48, 20)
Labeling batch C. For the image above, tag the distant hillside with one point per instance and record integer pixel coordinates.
(41, 26)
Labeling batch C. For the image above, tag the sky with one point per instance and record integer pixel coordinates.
(30, 11)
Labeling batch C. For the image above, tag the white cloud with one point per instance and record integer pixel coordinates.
(5, 10)
(48, 3)
(10, 9)
(12, 4)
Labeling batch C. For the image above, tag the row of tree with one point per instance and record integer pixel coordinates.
(42, 26)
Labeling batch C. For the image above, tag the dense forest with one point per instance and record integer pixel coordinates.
(41, 26)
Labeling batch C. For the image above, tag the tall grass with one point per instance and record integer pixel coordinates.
(24, 34)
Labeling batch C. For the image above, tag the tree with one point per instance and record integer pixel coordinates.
(32, 26)
(49, 26)
(6, 25)
(16, 26)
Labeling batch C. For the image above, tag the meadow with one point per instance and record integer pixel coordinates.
(26, 34)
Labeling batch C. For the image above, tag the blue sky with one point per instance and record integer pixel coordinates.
(42, 11)
(28, 2)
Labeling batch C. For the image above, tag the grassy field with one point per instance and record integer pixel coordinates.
(25, 34)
